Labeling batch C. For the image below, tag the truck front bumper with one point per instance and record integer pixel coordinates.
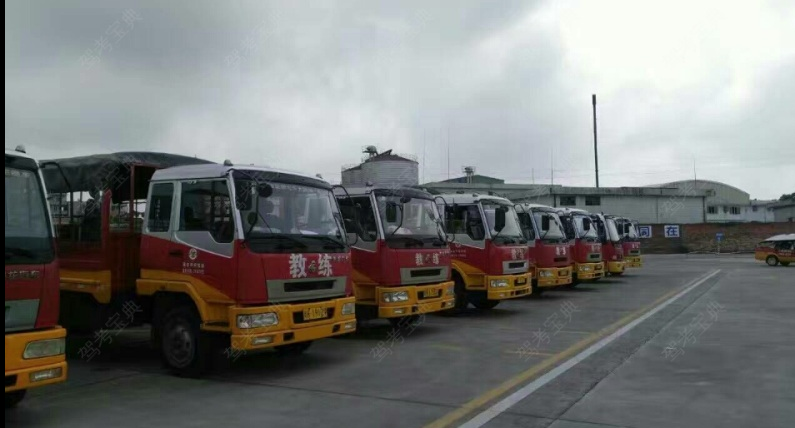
(589, 270)
(24, 373)
(553, 277)
(633, 261)
(299, 322)
(422, 299)
(615, 267)
(517, 285)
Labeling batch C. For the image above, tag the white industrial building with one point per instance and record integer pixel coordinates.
(681, 202)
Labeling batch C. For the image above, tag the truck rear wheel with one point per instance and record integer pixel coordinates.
(771, 260)
(183, 347)
(293, 349)
(14, 397)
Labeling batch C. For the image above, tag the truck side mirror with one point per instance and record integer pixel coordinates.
(499, 219)
(391, 212)
(545, 223)
(264, 190)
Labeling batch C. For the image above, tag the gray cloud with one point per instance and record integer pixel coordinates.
(305, 86)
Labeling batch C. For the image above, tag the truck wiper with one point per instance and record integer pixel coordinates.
(436, 241)
(336, 243)
(296, 241)
(19, 252)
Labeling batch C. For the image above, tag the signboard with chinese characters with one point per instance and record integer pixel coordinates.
(719, 236)
(644, 232)
(671, 231)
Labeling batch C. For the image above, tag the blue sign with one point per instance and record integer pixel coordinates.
(719, 236)
(671, 231)
(644, 231)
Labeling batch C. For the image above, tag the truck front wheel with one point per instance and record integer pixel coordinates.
(481, 301)
(14, 397)
(182, 346)
(772, 260)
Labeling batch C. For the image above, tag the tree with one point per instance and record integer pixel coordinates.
(786, 197)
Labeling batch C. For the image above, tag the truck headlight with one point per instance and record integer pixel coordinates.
(44, 348)
(348, 308)
(498, 283)
(585, 268)
(395, 296)
(257, 320)
(545, 273)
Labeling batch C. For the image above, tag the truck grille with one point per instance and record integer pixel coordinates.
(292, 287)
(560, 259)
(634, 252)
(516, 265)
(595, 256)
(424, 273)
(298, 317)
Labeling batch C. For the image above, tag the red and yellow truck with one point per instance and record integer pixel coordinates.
(210, 255)
(630, 242)
(612, 250)
(550, 255)
(489, 253)
(401, 261)
(35, 343)
(584, 244)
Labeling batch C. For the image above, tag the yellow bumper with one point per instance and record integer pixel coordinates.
(633, 262)
(589, 270)
(553, 277)
(517, 286)
(422, 299)
(292, 326)
(615, 267)
(22, 373)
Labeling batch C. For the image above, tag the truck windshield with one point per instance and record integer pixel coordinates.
(633, 232)
(555, 231)
(294, 218)
(612, 231)
(28, 233)
(581, 232)
(415, 223)
(512, 232)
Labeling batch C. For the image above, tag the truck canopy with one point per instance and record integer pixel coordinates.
(112, 170)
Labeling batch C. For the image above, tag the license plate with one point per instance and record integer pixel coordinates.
(315, 313)
(521, 281)
(432, 292)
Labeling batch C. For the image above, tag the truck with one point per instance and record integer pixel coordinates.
(775, 250)
(35, 342)
(550, 256)
(212, 256)
(489, 257)
(399, 251)
(612, 250)
(584, 245)
(630, 242)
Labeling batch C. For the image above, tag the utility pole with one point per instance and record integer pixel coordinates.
(595, 145)
(448, 152)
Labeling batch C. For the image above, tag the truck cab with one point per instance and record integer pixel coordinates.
(489, 254)
(34, 341)
(612, 250)
(630, 242)
(550, 255)
(401, 260)
(243, 258)
(584, 244)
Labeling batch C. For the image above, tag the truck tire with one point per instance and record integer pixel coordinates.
(406, 322)
(292, 349)
(183, 347)
(480, 301)
(535, 290)
(14, 397)
(461, 301)
(771, 260)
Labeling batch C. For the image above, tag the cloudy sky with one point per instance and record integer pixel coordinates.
(506, 85)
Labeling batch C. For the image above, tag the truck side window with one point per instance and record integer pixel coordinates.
(359, 208)
(206, 206)
(527, 226)
(465, 219)
(160, 209)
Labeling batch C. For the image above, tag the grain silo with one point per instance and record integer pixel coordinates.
(385, 169)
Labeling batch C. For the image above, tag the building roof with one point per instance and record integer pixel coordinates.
(476, 178)
(381, 157)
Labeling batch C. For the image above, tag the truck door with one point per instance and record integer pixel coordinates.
(202, 243)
